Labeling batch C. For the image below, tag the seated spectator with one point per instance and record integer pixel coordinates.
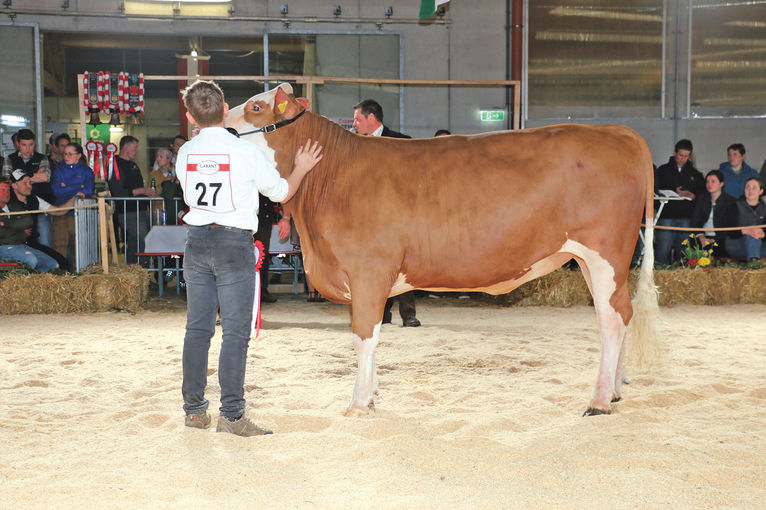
(57, 144)
(22, 196)
(736, 171)
(71, 179)
(749, 242)
(678, 175)
(14, 231)
(714, 209)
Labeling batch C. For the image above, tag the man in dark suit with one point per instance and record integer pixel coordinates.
(368, 120)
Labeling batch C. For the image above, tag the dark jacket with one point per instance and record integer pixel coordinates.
(749, 215)
(13, 229)
(724, 215)
(130, 179)
(667, 176)
(390, 133)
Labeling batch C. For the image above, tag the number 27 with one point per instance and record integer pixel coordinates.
(201, 186)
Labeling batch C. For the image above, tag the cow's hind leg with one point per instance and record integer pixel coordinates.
(613, 309)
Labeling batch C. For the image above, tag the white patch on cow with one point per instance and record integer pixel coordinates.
(366, 377)
(601, 271)
(400, 286)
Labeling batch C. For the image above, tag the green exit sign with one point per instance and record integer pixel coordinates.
(492, 115)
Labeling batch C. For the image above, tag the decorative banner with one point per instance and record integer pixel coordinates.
(98, 133)
(91, 147)
(93, 81)
(112, 101)
(111, 149)
(133, 97)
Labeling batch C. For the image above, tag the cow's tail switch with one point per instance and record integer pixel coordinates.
(643, 330)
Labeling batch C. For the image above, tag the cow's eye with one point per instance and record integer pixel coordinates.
(256, 108)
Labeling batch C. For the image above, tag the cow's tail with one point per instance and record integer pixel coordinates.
(643, 330)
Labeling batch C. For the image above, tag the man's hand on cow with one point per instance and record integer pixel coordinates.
(308, 156)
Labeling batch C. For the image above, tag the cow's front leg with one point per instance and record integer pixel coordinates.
(362, 398)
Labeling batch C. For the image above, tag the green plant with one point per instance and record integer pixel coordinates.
(695, 255)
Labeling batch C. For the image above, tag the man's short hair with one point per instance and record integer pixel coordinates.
(203, 99)
(736, 147)
(125, 140)
(15, 137)
(182, 137)
(684, 145)
(4, 179)
(756, 179)
(62, 136)
(442, 132)
(370, 106)
(26, 134)
(717, 173)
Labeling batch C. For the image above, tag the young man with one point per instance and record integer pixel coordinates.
(368, 120)
(736, 171)
(14, 231)
(37, 165)
(221, 176)
(678, 175)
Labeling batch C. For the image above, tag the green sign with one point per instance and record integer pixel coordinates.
(99, 133)
(492, 115)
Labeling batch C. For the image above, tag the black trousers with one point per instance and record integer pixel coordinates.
(406, 305)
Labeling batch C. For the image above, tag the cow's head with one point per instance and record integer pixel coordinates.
(265, 109)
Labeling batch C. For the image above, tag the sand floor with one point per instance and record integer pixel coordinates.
(479, 408)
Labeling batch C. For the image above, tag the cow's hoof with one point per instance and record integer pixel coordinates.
(616, 399)
(592, 411)
(353, 412)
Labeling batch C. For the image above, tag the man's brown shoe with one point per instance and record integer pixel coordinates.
(197, 421)
(242, 427)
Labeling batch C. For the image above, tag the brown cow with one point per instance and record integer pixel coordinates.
(488, 212)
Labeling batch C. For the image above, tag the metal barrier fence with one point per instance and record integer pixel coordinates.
(87, 247)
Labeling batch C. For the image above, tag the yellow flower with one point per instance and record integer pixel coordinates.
(685, 242)
(703, 261)
(715, 244)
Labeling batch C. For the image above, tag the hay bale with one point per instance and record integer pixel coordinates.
(124, 288)
(713, 286)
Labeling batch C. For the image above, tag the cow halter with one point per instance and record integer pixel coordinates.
(273, 127)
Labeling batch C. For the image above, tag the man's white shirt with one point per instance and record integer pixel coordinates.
(221, 176)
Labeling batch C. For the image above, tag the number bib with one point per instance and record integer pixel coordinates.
(208, 183)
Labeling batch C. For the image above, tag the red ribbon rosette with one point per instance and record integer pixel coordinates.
(260, 253)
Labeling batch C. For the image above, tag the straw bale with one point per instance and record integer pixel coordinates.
(124, 288)
(713, 286)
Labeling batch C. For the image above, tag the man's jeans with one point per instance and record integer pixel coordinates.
(668, 239)
(29, 256)
(45, 229)
(219, 268)
(746, 247)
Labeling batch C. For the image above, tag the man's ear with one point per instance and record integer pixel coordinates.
(304, 102)
(191, 119)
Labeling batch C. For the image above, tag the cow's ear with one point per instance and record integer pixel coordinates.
(304, 102)
(280, 101)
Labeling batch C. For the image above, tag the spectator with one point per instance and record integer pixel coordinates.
(178, 142)
(714, 209)
(442, 132)
(21, 187)
(678, 175)
(57, 143)
(36, 165)
(126, 182)
(736, 171)
(72, 178)
(368, 120)
(749, 242)
(14, 231)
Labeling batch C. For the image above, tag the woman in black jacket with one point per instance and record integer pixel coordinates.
(714, 209)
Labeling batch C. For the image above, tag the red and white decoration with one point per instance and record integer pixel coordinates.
(111, 93)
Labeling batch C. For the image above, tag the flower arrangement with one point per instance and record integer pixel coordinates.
(695, 255)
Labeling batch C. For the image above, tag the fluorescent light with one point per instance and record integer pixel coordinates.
(115, 129)
(13, 120)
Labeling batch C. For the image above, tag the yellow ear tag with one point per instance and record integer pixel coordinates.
(282, 106)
